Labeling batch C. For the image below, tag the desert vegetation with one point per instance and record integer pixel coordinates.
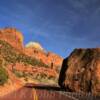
(3, 72)
(11, 55)
(3, 76)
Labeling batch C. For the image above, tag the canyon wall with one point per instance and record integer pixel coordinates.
(80, 72)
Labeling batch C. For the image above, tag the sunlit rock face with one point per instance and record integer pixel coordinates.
(81, 71)
(35, 45)
(35, 49)
(38, 73)
(21, 59)
(13, 37)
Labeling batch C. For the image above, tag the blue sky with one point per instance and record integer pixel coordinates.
(59, 25)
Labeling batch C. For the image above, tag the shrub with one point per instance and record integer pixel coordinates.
(19, 74)
(3, 76)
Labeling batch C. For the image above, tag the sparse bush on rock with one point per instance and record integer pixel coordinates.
(3, 76)
(11, 55)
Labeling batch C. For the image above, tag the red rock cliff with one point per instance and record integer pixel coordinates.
(49, 58)
(33, 60)
(81, 71)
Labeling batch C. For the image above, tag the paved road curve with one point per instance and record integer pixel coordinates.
(45, 92)
(30, 93)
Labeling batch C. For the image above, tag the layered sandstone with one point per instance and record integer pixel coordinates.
(33, 71)
(54, 61)
(81, 71)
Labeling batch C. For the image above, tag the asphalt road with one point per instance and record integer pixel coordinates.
(35, 93)
(45, 92)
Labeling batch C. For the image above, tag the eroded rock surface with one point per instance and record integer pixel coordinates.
(51, 59)
(13, 37)
(30, 62)
(81, 71)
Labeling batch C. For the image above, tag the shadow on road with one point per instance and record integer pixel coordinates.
(44, 87)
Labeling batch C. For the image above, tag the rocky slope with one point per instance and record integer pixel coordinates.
(48, 58)
(81, 71)
(28, 63)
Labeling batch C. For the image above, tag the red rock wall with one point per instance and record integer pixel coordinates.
(81, 71)
(49, 58)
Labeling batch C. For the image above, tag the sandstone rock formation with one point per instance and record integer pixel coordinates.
(49, 58)
(35, 73)
(13, 37)
(81, 71)
(53, 61)
(31, 61)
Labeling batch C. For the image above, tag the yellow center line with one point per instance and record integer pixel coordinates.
(35, 96)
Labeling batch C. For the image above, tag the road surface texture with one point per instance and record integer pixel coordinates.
(44, 92)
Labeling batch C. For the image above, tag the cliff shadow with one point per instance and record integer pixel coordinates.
(62, 74)
(44, 87)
